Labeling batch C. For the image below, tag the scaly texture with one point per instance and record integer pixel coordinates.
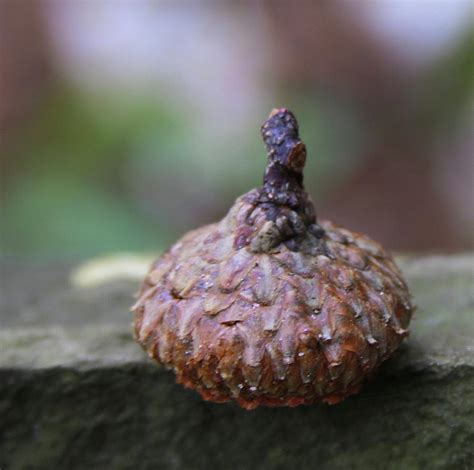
(270, 306)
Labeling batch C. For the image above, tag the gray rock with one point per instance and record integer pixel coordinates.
(77, 392)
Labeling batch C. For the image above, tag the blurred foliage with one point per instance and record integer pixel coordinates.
(445, 93)
(96, 174)
(66, 195)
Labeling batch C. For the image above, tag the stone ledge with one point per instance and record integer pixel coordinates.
(86, 396)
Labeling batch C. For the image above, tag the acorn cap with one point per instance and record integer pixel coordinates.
(270, 306)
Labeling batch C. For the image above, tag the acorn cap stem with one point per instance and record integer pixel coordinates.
(286, 151)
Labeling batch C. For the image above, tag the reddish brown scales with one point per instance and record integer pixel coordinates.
(270, 306)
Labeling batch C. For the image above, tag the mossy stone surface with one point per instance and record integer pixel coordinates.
(77, 392)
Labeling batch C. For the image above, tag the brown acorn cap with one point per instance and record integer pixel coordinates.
(270, 306)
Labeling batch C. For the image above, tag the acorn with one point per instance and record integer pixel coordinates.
(271, 306)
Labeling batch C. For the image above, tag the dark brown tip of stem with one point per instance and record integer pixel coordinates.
(282, 197)
(284, 146)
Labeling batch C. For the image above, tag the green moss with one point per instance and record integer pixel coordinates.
(86, 397)
(135, 417)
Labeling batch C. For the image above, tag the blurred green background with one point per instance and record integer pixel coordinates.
(123, 124)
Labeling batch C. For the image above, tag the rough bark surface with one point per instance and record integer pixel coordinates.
(77, 392)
